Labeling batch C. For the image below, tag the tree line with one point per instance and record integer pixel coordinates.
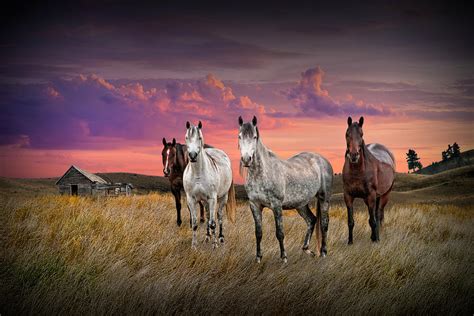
(414, 163)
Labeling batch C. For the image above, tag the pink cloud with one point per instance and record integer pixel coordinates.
(310, 99)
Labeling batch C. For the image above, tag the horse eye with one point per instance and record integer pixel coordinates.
(255, 137)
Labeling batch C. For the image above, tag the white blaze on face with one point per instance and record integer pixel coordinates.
(247, 146)
(193, 143)
(167, 158)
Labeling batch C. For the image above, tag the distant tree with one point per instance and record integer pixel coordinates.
(450, 151)
(456, 150)
(444, 155)
(413, 160)
(418, 165)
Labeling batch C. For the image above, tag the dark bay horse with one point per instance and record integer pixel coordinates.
(368, 173)
(175, 159)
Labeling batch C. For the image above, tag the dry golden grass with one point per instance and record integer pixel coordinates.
(73, 255)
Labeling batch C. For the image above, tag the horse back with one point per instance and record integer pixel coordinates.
(385, 167)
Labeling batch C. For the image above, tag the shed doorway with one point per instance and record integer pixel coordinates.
(74, 189)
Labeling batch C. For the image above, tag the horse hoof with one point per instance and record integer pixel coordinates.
(350, 242)
(179, 223)
(258, 259)
(323, 254)
(309, 252)
(202, 220)
(193, 246)
(215, 245)
(208, 239)
(284, 260)
(221, 240)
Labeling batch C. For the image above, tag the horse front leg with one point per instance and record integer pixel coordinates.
(212, 202)
(177, 199)
(371, 202)
(257, 217)
(349, 200)
(193, 217)
(277, 212)
(202, 218)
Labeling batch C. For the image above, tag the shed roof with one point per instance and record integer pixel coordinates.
(92, 177)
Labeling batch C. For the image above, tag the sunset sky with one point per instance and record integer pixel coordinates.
(99, 84)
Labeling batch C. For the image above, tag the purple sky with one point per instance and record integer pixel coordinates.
(104, 80)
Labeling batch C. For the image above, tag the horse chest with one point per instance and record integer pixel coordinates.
(262, 193)
(358, 186)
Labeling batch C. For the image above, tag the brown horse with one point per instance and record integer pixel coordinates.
(175, 159)
(368, 173)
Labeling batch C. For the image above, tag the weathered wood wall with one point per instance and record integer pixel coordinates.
(74, 177)
(82, 189)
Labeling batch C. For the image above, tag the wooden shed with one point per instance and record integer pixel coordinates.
(80, 182)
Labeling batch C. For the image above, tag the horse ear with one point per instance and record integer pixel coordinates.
(174, 141)
(188, 125)
(199, 125)
(164, 141)
(241, 121)
(349, 121)
(254, 121)
(361, 121)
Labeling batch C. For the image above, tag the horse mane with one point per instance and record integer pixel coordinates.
(181, 159)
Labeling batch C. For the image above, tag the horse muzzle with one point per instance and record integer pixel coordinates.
(193, 156)
(246, 161)
(354, 157)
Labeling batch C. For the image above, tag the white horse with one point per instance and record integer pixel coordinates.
(207, 179)
(285, 184)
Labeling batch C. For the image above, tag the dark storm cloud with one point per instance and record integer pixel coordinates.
(62, 38)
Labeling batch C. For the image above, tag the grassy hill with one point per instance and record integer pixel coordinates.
(465, 159)
(454, 186)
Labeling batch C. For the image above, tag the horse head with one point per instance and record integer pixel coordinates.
(194, 140)
(354, 139)
(168, 155)
(248, 138)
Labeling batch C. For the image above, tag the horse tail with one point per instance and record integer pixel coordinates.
(319, 230)
(231, 205)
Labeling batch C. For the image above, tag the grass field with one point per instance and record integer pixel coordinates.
(76, 255)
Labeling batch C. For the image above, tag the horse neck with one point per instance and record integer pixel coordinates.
(260, 165)
(180, 162)
(202, 163)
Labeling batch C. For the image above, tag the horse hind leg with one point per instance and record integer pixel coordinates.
(208, 228)
(277, 212)
(381, 208)
(177, 199)
(220, 210)
(192, 212)
(310, 220)
(323, 218)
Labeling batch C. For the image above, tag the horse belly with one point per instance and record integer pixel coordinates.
(385, 178)
(299, 194)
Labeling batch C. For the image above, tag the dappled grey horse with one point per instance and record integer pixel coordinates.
(208, 179)
(285, 184)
